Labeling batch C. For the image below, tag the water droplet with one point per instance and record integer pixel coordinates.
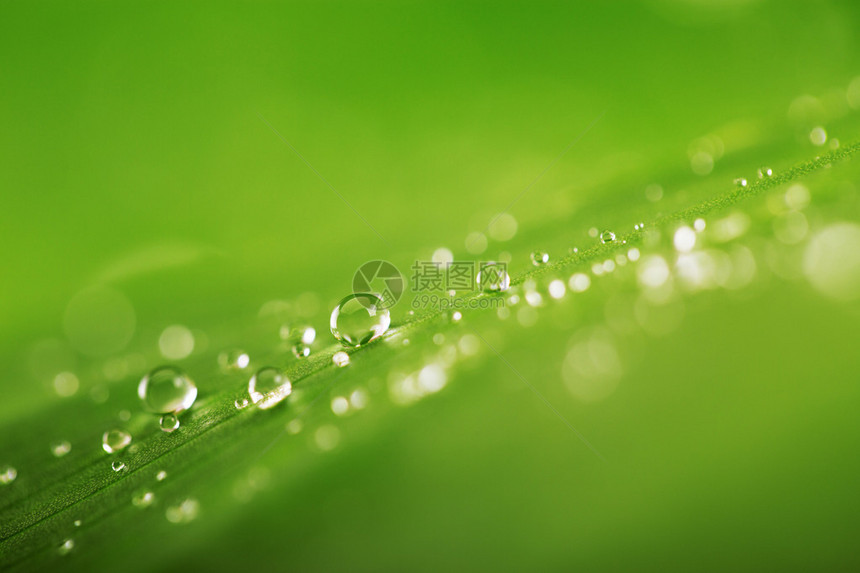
(184, 512)
(161, 475)
(7, 474)
(115, 440)
(303, 334)
(268, 386)
(539, 258)
(234, 359)
(493, 277)
(66, 547)
(340, 359)
(607, 237)
(60, 449)
(168, 423)
(143, 499)
(167, 390)
(117, 465)
(765, 172)
(818, 136)
(77, 523)
(740, 182)
(241, 403)
(359, 319)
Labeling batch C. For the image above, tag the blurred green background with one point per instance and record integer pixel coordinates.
(135, 152)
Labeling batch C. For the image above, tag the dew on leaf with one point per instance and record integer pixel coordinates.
(359, 319)
(607, 237)
(168, 423)
(115, 440)
(167, 390)
(268, 386)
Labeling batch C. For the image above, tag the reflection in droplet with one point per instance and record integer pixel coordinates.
(167, 390)
(168, 423)
(268, 386)
(359, 319)
(115, 440)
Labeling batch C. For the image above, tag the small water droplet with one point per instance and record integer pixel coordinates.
(303, 334)
(117, 465)
(539, 258)
(184, 512)
(234, 359)
(168, 423)
(115, 440)
(607, 237)
(241, 403)
(268, 386)
(167, 390)
(493, 277)
(764, 172)
(740, 182)
(358, 319)
(60, 449)
(161, 475)
(77, 523)
(7, 474)
(66, 547)
(143, 499)
(340, 359)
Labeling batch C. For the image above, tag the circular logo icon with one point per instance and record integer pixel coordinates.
(380, 277)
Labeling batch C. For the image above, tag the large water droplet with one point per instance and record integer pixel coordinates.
(115, 440)
(358, 319)
(7, 474)
(168, 423)
(539, 258)
(167, 390)
(268, 386)
(607, 237)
